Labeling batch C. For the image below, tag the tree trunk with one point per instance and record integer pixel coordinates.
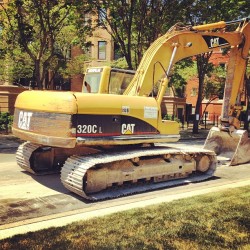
(202, 68)
(197, 111)
(38, 75)
(129, 60)
(50, 79)
(198, 104)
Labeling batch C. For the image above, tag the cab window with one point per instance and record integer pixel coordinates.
(119, 82)
(91, 83)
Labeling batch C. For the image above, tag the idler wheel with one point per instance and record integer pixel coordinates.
(203, 164)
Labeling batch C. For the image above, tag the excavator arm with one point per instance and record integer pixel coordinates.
(176, 45)
(229, 141)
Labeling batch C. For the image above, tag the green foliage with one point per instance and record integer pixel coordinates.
(44, 31)
(181, 73)
(119, 63)
(134, 25)
(11, 71)
(207, 11)
(214, 83)
(218, 220)
(214, 89)
(171, 118)
(6, 121)
(76, 66)
(186, 68)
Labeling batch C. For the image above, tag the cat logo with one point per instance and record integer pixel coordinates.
(24, 120)
(214, 42)
(128, 129)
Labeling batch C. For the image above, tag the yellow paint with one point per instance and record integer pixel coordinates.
(47, 101)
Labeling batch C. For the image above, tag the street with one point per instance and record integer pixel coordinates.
(26, 199)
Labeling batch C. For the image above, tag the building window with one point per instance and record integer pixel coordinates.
(194, 92)
(222, 65)
(102, 50)
(102, 15)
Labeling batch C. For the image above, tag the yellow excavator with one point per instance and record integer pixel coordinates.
(109, 145)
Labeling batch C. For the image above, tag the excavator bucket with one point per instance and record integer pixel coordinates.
(234, 147)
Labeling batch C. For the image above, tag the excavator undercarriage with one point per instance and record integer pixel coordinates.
(97, 174)
(114, 174)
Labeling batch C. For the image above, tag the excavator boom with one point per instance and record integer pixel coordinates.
(174, 46)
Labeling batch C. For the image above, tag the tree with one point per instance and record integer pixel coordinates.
(208, 11)
(154, 19)
(214, 82)
(135, 24)
(75, 66)
(203, 66)
(35, 27)
(11, 71)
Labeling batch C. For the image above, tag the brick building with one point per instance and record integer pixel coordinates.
(100, 53)
(213, 108)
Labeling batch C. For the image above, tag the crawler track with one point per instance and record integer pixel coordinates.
(23, 155)
(37, 159)
(76, 171)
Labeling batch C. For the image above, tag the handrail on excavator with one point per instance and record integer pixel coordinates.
(245, 19)
(218, 25)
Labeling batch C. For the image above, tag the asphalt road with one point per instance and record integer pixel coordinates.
(29, 202)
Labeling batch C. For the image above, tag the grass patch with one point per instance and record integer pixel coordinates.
(213, 221)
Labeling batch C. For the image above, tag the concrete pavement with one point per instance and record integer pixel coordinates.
(62, 219)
